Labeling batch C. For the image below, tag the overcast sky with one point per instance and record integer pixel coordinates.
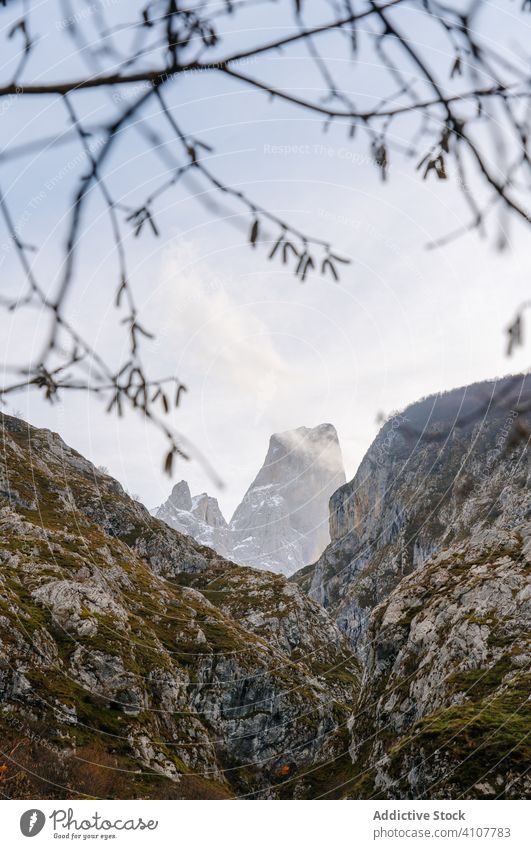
(259, 351)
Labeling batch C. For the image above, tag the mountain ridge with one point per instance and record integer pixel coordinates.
(428, 573)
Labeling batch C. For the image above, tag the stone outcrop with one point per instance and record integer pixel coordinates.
(443, 467)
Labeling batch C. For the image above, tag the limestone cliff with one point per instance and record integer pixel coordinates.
(444, 711)
(200, 517)
(282, 521)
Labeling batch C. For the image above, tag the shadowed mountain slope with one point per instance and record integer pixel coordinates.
(132, 648)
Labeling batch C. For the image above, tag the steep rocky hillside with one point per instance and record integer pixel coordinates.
(428, 573)
(445, 710)
(135, 662)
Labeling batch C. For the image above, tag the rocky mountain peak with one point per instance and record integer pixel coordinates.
(180, 497)
(199, 516)
(282, 522)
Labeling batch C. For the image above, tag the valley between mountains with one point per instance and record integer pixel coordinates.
(384, 654)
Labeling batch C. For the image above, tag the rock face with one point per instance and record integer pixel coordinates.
(427, 573)
(135, 662)
(445, 711)
(423, 484)
(282, 521)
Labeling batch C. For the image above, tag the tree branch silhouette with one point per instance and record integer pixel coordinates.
(462, 98)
